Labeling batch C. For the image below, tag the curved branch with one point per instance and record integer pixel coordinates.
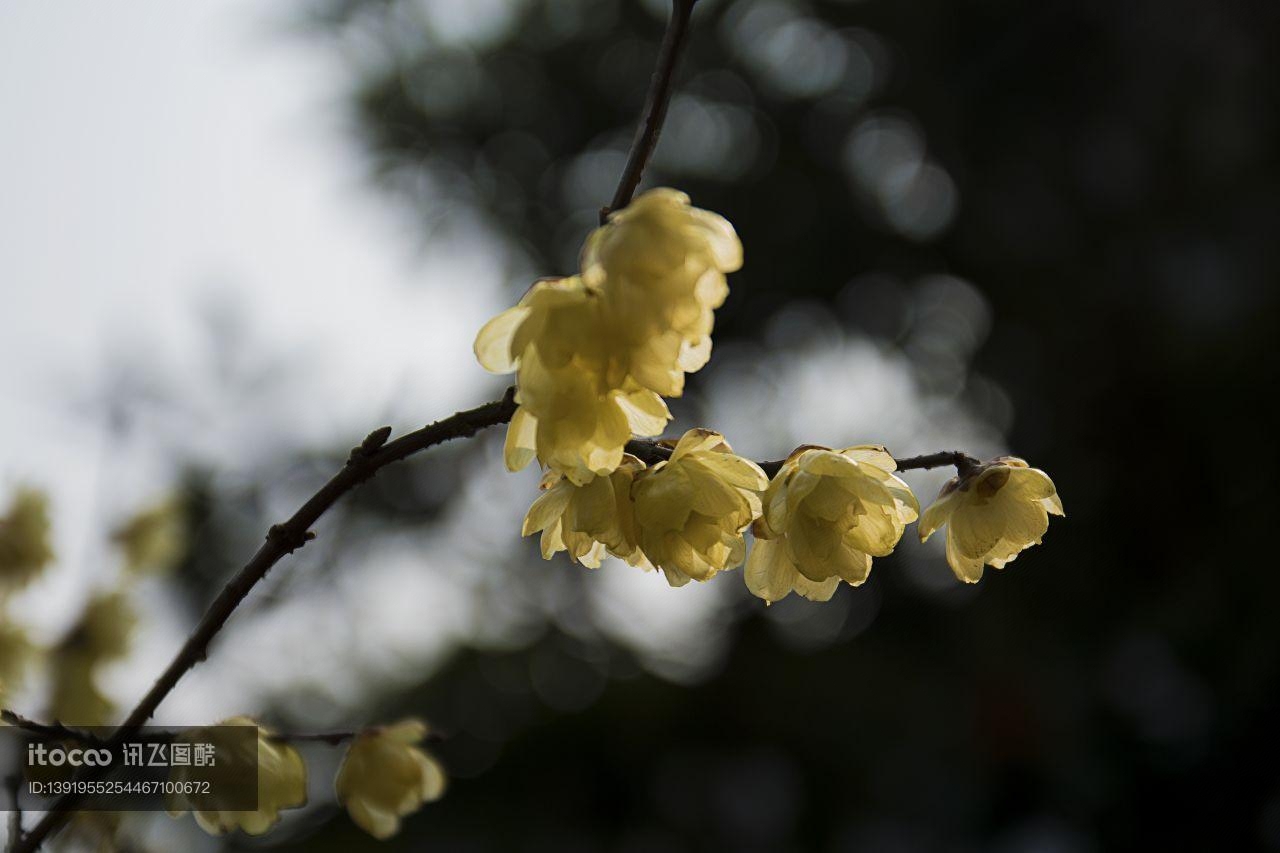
(374, 454)
(655, 107)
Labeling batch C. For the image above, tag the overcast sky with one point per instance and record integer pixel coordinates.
(164, 163)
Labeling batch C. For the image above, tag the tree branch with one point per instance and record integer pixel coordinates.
(58, 731)
(373, 454)
(963, 462)
(655, 107)
(49, 731)
(651, 452)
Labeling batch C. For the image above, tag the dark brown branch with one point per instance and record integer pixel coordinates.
(330, 738)
(60, 732)
(337, 738)
(49, 731)
(963, 462)
(373, 454)
(655, 107)
(651, 452)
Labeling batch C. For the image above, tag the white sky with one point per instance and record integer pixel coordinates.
(160, 159)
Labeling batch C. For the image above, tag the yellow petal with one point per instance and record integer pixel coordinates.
(547, 509)
(646, 412)
(493, 343)
(698, 440)
(521, 443)
(871, 454)
(967, 569)
(937, 514)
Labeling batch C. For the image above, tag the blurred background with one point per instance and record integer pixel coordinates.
(235, 237)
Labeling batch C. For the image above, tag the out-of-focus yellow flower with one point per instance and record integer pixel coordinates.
(660, 265)
(826, 514)
(571, 416)
(92, 831)
(74, 697)
(588, 521)
(154, 539)
(104, 628)
(992, 514)
(15, 653)
(24, 539)
(593, 353)
(100, 636)
(691, 510)
(386, 776)
(282, 778)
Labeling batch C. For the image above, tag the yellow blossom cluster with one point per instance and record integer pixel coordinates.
(384, 776)
(594, 356)
(820, 520)
(595, 353)
(685, 516)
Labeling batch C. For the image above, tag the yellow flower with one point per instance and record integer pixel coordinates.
(692, 509)
(660, 265)
(15, 653)
(154, 539)
(826, 514)
(588, 521)
(992, 514)
(24, 538)
(385, 776)
(103, 630)
(74, 695)
(282, 778)
(593, 353)
(99, 636)
(570, 416)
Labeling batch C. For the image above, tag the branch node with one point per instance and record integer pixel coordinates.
(282, 536)
(375, 439)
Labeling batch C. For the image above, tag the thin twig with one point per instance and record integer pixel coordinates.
(331, 738)
(60, 732)
(963, 462)
(651, 452)
(337, 738)
(371, 456)
(49, 731)
(655, 107)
